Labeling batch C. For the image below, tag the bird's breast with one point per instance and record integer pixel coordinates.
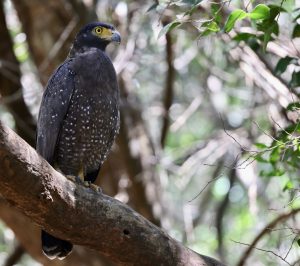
(88, 130)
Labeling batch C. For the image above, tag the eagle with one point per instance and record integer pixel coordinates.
(79, 114)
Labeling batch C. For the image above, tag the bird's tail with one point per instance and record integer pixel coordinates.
(54, 247)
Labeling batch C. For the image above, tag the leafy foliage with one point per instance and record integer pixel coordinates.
(263, 19)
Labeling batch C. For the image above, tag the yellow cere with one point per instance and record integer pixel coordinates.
(102, 32)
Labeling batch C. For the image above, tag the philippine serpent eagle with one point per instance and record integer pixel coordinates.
(79, 114)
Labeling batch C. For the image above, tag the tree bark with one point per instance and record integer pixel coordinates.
(30, 239)
(82, 215)
(10, 84)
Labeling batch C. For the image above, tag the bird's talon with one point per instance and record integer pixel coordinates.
(87, 183)
(71, 178)
(95, 188)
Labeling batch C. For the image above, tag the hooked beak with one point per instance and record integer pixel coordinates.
(116, 37)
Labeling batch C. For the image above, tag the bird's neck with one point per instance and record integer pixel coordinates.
(79, 49)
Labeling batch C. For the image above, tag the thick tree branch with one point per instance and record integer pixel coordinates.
(80, 214)
(30, 239)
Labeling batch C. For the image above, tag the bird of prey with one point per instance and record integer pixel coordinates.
(79, 114)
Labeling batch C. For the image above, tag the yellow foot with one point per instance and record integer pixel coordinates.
(71, 178)
(75, 179)
(92, 186)
(95, 188)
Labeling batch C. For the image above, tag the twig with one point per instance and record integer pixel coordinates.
(264, 231)
(289, 250)
(59, 43)
(181, 120)
(207, 197)
(207, 184)
(265, 250)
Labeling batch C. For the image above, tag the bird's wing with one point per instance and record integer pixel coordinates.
(54, 107)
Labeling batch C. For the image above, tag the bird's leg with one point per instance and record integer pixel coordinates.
(75, 179)
(71, 178)
(94, 187)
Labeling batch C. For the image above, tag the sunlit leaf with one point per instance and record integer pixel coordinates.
(288, 186)
(261, 146)
(234, 16)
(212, 26)
(261, 11)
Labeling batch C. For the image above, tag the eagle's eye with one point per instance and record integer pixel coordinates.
(98, 30)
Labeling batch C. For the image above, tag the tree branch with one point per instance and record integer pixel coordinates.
(266, 230)
(82, 215)
(169, 87)
(10, 84)
(15, 256)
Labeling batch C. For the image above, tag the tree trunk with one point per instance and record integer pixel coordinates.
(10, 85)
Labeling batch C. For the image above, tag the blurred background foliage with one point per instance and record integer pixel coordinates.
(209, 144)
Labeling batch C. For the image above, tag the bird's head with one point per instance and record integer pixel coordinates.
(96, 34)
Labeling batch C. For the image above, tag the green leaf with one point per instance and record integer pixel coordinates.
(276, 172)
(288, 186)
(234, 16)
(212, 26)
(261, 11)
(168, 28)
(215, 9)
(154, 6)
(273, 28)
(293, 106)
(296, 31)
(283, 64)
(298, 242)
(275, 10)
(295, 81)
(192, 2)
(243, 36)
(209, 28)
(261, 146)
(260, 159)
(275, 155)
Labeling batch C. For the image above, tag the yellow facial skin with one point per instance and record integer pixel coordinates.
(103, 33)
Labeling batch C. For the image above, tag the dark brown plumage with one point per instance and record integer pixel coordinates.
(79, 114)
